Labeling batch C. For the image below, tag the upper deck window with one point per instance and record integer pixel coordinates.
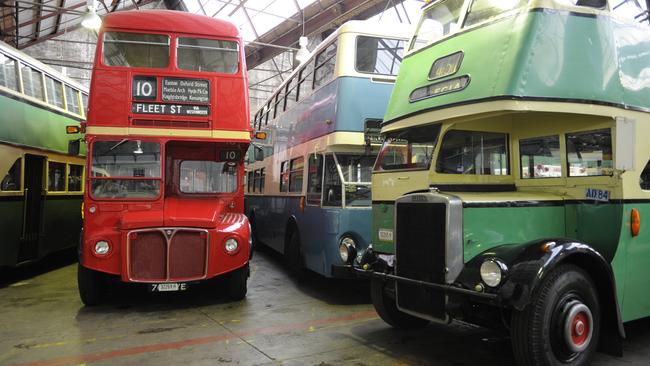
(125, 169)
(199, 176)
(437, 21)
(482, 10)
(379, 55)
(474, 152)
(633, 10)
(54, 91)
(136, 50)
(590, 153)
(72, 100)
(325, 62)
(8, 75)
(408, 149)
(32, 82)
(208, 55)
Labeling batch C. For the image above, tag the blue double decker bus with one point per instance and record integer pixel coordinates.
(308, 188)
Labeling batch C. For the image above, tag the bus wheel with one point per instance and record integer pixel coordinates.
(561, 324)
(387, 309)
(237, 283)
(293, 253)
(91, 286)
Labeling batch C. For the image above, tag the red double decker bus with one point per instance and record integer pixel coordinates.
(166, 135)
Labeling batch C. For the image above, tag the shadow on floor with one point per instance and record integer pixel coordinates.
(11, 275)
(332, 291)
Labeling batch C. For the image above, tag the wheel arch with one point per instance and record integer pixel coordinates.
(536, 259)
(289, 228)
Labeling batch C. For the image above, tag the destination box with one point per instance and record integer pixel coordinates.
(186, 90)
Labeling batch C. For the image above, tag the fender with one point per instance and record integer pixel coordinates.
(529, 263)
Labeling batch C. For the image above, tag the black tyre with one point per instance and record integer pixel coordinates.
(293, 253)
(238, 283)
(561, 325)
(386, 307)
(91, 286)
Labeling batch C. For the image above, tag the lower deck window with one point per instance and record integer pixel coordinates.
(11, 181)
(590, 153)
(540, 157)
(55, 177)
(125, 169)
(199, 176)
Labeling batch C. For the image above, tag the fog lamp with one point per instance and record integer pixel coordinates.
(231, 246)
(491, 273)
(102, 247)
(347, 249)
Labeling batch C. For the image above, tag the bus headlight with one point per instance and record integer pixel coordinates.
(347, 249)
(102, 247)
(492, 272)
(231, 246)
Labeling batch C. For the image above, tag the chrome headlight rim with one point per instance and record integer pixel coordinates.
(493, 271)
(347, 249)
(102, 248)
(231, 246)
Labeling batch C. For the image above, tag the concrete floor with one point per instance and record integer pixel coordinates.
(313, 321)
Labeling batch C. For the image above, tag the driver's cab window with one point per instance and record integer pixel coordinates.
(644, 180)
(632, 10)
(474, 152)
(332, 188)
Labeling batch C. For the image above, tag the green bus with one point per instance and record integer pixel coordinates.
(513, 186)
(42, 184)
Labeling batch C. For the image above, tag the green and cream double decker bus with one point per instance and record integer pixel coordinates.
(513, 186)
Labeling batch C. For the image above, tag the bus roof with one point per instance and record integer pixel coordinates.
(169, 21)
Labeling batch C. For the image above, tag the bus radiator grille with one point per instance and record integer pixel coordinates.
(187, 255)
(167, 254)
(148, 256)
(420, 255)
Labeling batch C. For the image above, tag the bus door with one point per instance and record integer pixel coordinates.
(32, 208)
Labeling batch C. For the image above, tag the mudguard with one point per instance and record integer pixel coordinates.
(529, 263)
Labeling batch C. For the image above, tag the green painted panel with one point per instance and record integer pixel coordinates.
(24, 124)
(62, 224)
(488, 227)
(11, 225)
(382, 218)
(549, 54)
(636, 299)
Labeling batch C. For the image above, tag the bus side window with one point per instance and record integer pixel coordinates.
(332, 183)
(295, 174)
(249, 182)
(8, 74)
(644, 180)
(260, 183)
(325, 66)
(284, 176)
(75, 177)
(630, 9)
(306, 80)
(11, 181)
(315, 179)
(55, 177)
(589, 153)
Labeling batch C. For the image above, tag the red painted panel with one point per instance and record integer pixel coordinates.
(187, 255)
(148, 256)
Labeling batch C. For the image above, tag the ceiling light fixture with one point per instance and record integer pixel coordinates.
(91, 20)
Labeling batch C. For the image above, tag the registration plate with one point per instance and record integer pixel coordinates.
(167, 287)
